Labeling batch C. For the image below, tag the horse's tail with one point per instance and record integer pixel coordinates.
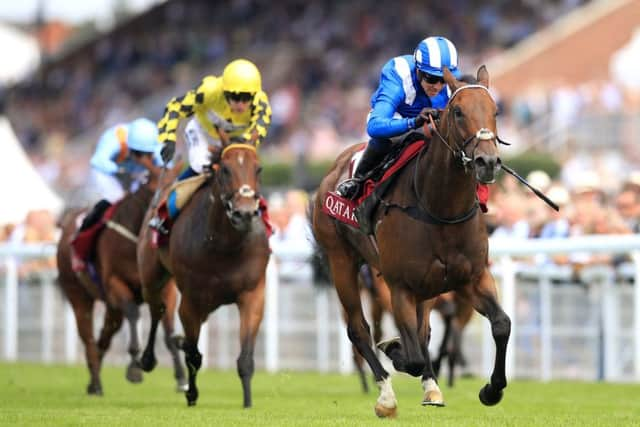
(319, 260)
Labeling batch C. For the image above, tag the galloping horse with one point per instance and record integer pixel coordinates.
(119, 285)
(431, 239)
(218, 252)
(456, 312)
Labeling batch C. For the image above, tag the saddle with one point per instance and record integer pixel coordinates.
(359, 213)
(83, 243)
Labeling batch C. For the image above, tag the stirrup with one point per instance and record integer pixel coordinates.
(349, 188)
(158, 224)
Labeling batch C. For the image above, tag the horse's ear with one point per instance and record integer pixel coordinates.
(483, 76)
(450, 79)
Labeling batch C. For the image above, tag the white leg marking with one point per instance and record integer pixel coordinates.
(387, 397)
(430, 385)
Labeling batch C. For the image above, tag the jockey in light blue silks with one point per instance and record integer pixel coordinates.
(411, 88)
(117, 165)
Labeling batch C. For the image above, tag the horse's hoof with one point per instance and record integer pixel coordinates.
(134, 373)
(433, 398)
(192, 397)
(488, 396)
(94, 390)
(384, 412)
(148, 362)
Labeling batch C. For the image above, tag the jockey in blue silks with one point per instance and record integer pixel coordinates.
(411, 88)
(120, 162)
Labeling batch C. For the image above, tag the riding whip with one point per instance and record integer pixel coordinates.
(156, 195)
(535, 190)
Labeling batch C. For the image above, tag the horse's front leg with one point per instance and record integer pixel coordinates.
(344, 273)
(251, 309)
(191, 320)
(407, 354)
(485, 301)
(432, 393)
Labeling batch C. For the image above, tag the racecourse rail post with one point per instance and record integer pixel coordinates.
(271, 317)
(635, 255)
(11, 310)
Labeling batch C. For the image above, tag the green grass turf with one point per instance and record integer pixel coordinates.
(41, 395)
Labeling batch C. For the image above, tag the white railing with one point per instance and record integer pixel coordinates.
(303, 328)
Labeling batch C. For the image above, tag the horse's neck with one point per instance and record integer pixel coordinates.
(443, 185)
(133, 207)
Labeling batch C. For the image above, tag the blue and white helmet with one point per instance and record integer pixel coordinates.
(435, 53)
(142, 135)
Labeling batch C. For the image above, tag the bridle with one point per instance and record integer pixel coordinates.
(483, 134)
(245, 190)
(459, 152)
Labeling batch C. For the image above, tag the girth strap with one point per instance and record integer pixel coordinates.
(424, 216)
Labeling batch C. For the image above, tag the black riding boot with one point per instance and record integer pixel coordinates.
(95, 214)
(350, 188)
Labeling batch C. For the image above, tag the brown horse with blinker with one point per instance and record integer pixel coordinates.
(218, 253)
(431, 239)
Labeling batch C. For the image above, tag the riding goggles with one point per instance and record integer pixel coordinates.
(431, 79)
(238, 96)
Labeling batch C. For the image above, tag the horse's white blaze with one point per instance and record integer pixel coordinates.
(430, 385)
(387, 397)
(241, 159)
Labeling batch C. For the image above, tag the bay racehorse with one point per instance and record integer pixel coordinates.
(430, 238)
(218, 252)
(119, 284)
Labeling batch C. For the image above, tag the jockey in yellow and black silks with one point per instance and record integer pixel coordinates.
(233, 103)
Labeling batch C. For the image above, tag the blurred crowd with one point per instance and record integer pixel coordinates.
(587, 209)
(320, 61)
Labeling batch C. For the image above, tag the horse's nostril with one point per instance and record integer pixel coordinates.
(480, 162)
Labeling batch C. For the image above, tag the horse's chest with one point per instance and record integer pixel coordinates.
(432, 275)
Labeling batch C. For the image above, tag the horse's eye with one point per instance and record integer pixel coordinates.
(259, 170)
(457, 112)
(225, 171)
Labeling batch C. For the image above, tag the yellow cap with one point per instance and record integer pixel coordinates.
(241, 76)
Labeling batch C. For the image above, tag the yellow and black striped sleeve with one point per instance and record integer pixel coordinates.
(179, 108)
(260, 119)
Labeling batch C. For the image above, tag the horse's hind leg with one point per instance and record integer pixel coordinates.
(169, 296)
(119, 295)
(132, 313)
(83, 311)
(251, 309)
(344, 271)
(485, 301)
